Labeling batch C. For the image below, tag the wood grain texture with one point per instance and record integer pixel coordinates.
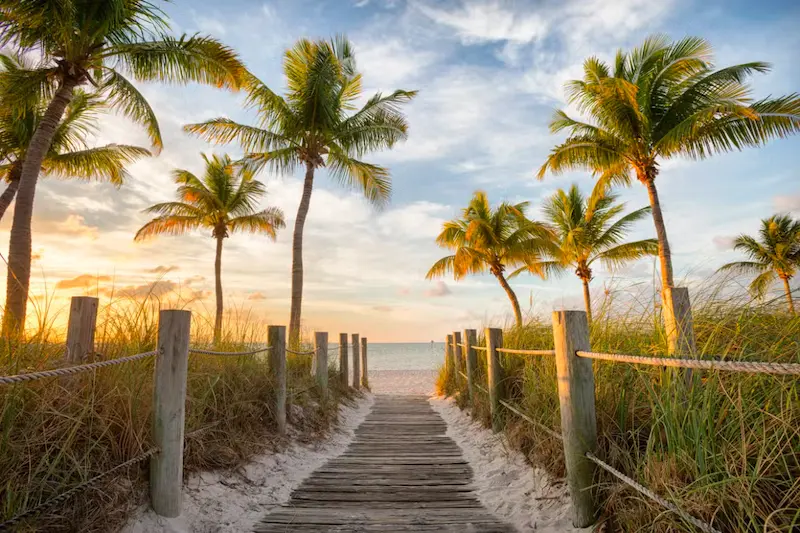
(400, 473)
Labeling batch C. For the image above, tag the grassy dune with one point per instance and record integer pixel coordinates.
(57, 433)
(728, 452)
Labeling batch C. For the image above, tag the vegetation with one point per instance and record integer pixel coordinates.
(57, 433)
(84, 41)
(727, 453)
(585, 232)
(314, 126)
(491, 239)
(776, 255)
(225, 201)
(69, 155)
(659, 101)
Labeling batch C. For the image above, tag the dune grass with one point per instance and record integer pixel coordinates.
(57, 433)
(727, 451)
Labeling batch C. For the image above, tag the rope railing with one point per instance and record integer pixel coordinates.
(702, 526)
(293, 352)
(227, 354)
(556, 435)
(4, 526)
(705, 364)
(57, 372)
(481, 348)
(526, 352)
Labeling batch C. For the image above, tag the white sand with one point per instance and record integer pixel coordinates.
(233, 502)
(402, 381)
(510, 488)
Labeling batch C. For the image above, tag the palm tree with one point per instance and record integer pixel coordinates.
(86, 41)
(491, 239)
(586, 232)
(225, 201)
(69, 156)
(776, 254)
(663, 100)
(315, 125)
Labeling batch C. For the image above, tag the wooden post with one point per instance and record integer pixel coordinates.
(277, 365)
(169, 411)
(364, 369)
(457, 355)
(320, 362)
(678, 324)
(448, 359)
(344, 368)
(494, 340)
(80, 329)
(356, 363)
(471, 356)
(578, 420)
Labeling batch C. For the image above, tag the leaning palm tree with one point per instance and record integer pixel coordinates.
(225, 201)
(586, 232)
(69, 155)
(659, 101)
(86, 41)
(316, 124)
(774, 254)
(486, 239)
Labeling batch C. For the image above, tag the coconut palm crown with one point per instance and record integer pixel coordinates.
(774, 253)
(99, 43)
(316, 124)
(491, 239)
(663, 100)
(587, 231)
(225, 200)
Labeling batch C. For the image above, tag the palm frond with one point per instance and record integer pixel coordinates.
(102, 163)
(125, 98)
(268, 222)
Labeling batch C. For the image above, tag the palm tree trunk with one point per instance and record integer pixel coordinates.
(19, 249)
(11, 191)
(788, 289)
(664, 254)
(511, 296)
(587, 299)
(297, 257)
(218, 281)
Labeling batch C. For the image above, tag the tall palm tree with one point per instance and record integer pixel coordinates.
(316, 124)
(491, 239)
(775, 253)
(659, 101)
(586, 231)
(86, 41)
(224, 200)
(69, 155)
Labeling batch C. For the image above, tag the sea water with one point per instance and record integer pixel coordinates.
(403, 355)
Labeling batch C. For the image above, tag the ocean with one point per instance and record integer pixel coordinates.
(404, 355)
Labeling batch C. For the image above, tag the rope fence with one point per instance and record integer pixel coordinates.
(733, 366)
(702, 526)
(293, 352)
(227, 354)
(57, 372)
(526, 352)
(74, 490)
(481, 348)
(556, 435)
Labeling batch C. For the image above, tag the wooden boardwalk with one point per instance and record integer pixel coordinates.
(400, 473)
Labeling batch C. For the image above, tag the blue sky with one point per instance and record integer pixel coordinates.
(489, 74)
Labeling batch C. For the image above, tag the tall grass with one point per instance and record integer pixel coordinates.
(727, 451)
(57, 433)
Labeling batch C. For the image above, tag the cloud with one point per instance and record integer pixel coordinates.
(723, 242)
(156, 290)
(257, 296)
(439, 289)
(476, 22)
(787, 203)
(84, 280)
(72, 226)
(162, 269)
(382, 308)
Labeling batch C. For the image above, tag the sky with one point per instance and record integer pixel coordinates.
(489, 75)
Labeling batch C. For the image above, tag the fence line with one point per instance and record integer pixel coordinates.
(541, 426)
(481, 348)
(170, 380)
(704, 364)
(526, 352)
(57, 372)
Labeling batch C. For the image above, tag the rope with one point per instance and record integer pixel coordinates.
(299, 353)
(527, 352)
(702, 526)
(736, 366)
(522, 415)
(200, 431)
(482, 348)
(211, 352)
(68, 494)
(56, 372)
